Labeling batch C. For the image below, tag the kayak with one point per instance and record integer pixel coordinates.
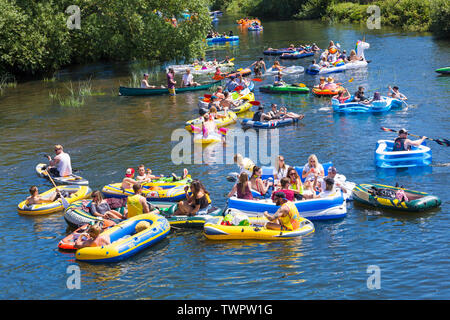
(220, 122)
(286, 70)
(215, 230)
(326, 92)
(78, 214)
(67, 180)
(296, 55)
(288, 88)
(70, 193)
(385, 197)
(416, 157)
(184, 221)
(384, 105)
(222, 39)
(445, 70)
(271, 124)
(125, 242)
(126, 91)
(197, 69)
(68, 242)
(348, 66)
(332, 207)
(176, 193)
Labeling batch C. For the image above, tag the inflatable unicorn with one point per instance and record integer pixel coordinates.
(360, 47)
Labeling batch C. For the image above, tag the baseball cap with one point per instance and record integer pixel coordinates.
(402, 130)
(329, 180)
(129, 172)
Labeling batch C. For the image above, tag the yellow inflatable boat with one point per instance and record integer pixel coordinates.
(176, 193)
(125, 241)
(70, 193)
(230, 118)
(215, 230)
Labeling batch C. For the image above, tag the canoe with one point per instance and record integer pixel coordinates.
(384, 105)
(445, 70)
(125, 242)
(70, 193)
(416, 157)
(72, 179)
(222, 39)
(286, 70)
(68, 242)
(348, 66)
(220, 122)
(78, 214)
(385, 197)
(288, 88)
(296, 55)
(176, 193)
(326, 92)
(271, 124)
(214, 230)
(333, 207)
(126, 91)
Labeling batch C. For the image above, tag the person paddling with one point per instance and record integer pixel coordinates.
(402, 143)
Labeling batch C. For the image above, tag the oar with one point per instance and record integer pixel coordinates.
(208, 96)
(442, 142)
(238, 88)
(65, 203)
(257, 80)
(254, 103)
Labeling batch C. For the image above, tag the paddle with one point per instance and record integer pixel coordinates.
(208, 96)
(238, 88)
(254, 103)
(442, 142)
(65, 203)
(257, 80)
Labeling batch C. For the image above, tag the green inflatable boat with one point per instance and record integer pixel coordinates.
(445, 70)
(288, 88)
(389, 197)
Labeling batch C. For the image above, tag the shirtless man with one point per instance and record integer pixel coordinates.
(92, 238)
(129, 181)
(35, 198)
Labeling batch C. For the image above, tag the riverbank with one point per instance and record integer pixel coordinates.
(409, 15)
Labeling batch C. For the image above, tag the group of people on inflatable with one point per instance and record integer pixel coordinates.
(333, 56)
(286, 179)
(215, 34)
(275, 114)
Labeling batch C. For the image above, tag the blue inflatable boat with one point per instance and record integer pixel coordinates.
(268, 124)
(383, 105)
(222, 39)
(416, 157)
(296, 55)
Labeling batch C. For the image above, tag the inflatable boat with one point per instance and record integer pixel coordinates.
(271, 124)
(72, 179)
(215, 230)
(176, 193)
(125, 242)
(383, 105)
(70, 193)
(286, 70)
(416, 157)
(387, 197)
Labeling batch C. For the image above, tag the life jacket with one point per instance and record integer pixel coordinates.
(399, 145)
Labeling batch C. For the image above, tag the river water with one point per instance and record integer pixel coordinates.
(109, 133)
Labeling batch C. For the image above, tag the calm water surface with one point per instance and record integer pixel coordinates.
(110, 133)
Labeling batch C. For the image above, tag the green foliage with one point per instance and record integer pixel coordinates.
(440, 18)
(313, 9)
(35, 38)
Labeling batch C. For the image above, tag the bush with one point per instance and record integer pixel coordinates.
(440, 18)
